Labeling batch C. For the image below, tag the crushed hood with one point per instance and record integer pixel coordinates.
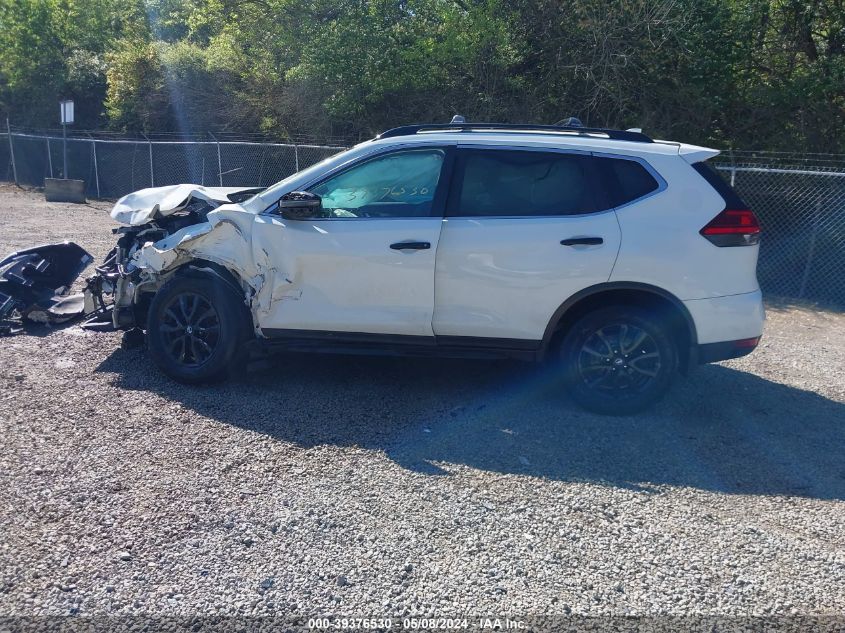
(145, 205)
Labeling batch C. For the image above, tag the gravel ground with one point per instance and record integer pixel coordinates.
(373, 486)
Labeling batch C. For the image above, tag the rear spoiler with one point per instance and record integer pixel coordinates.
(695, 154)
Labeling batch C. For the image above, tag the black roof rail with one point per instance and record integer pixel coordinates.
(617, 135)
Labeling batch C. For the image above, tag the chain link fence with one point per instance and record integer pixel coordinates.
(114, 167)
(800, 202)
(799, 199)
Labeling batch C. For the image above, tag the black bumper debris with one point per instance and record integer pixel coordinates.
(34, 283)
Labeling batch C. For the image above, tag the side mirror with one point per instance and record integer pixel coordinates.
(300, 205)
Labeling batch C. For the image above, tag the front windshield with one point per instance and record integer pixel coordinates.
(274, 192)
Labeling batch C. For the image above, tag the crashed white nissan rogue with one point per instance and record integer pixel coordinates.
(620, 258)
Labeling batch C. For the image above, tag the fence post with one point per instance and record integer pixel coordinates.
(64, 150)
(733, 168)
(219, 161)
(806, 277)
(49, 155)
(152, 178)
(96, 168)
(12, 150)
(296, 157)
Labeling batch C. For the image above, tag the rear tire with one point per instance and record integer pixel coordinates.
(196, 329)
(618, 360)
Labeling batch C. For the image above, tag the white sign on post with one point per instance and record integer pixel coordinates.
(66, 111)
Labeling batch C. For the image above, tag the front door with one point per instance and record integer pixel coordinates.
(366, 264)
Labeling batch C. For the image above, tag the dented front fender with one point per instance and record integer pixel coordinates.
(225, 239)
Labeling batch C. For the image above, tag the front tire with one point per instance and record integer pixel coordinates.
(618, 360)
(196, 329)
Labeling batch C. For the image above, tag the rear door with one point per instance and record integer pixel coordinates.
(525, 229)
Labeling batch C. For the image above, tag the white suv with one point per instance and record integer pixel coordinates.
(620, 258)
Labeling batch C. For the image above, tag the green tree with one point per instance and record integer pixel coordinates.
(747, 73)
(53, 49)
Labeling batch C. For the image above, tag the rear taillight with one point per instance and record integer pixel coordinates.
(733, 227)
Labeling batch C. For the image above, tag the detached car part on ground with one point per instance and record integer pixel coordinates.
(34, 284)
(482, 240)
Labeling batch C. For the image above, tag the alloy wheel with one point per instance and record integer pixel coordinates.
(618, 360)
(190, 329)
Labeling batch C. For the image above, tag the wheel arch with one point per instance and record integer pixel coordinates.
(197, 268)
(205, 268)
(625, 293)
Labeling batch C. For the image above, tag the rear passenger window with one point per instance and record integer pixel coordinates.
(625, 180)
(520, 183)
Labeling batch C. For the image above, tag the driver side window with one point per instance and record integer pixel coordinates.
(400, 184)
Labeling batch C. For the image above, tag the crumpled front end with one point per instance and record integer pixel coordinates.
(180, 232)
(146, 205)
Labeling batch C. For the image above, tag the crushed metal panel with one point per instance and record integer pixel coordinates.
(222, 239)
(148, 253)
(148, 204)
(161, 255)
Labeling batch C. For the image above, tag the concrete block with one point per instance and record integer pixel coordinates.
(61, 190)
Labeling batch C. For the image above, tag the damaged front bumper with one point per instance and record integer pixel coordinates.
(116, 284)
(142, 264)
(164, 228)
(35, 284)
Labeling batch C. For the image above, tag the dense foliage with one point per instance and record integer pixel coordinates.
(748, 73)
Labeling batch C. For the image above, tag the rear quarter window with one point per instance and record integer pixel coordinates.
(625, 180)
(731, 197)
